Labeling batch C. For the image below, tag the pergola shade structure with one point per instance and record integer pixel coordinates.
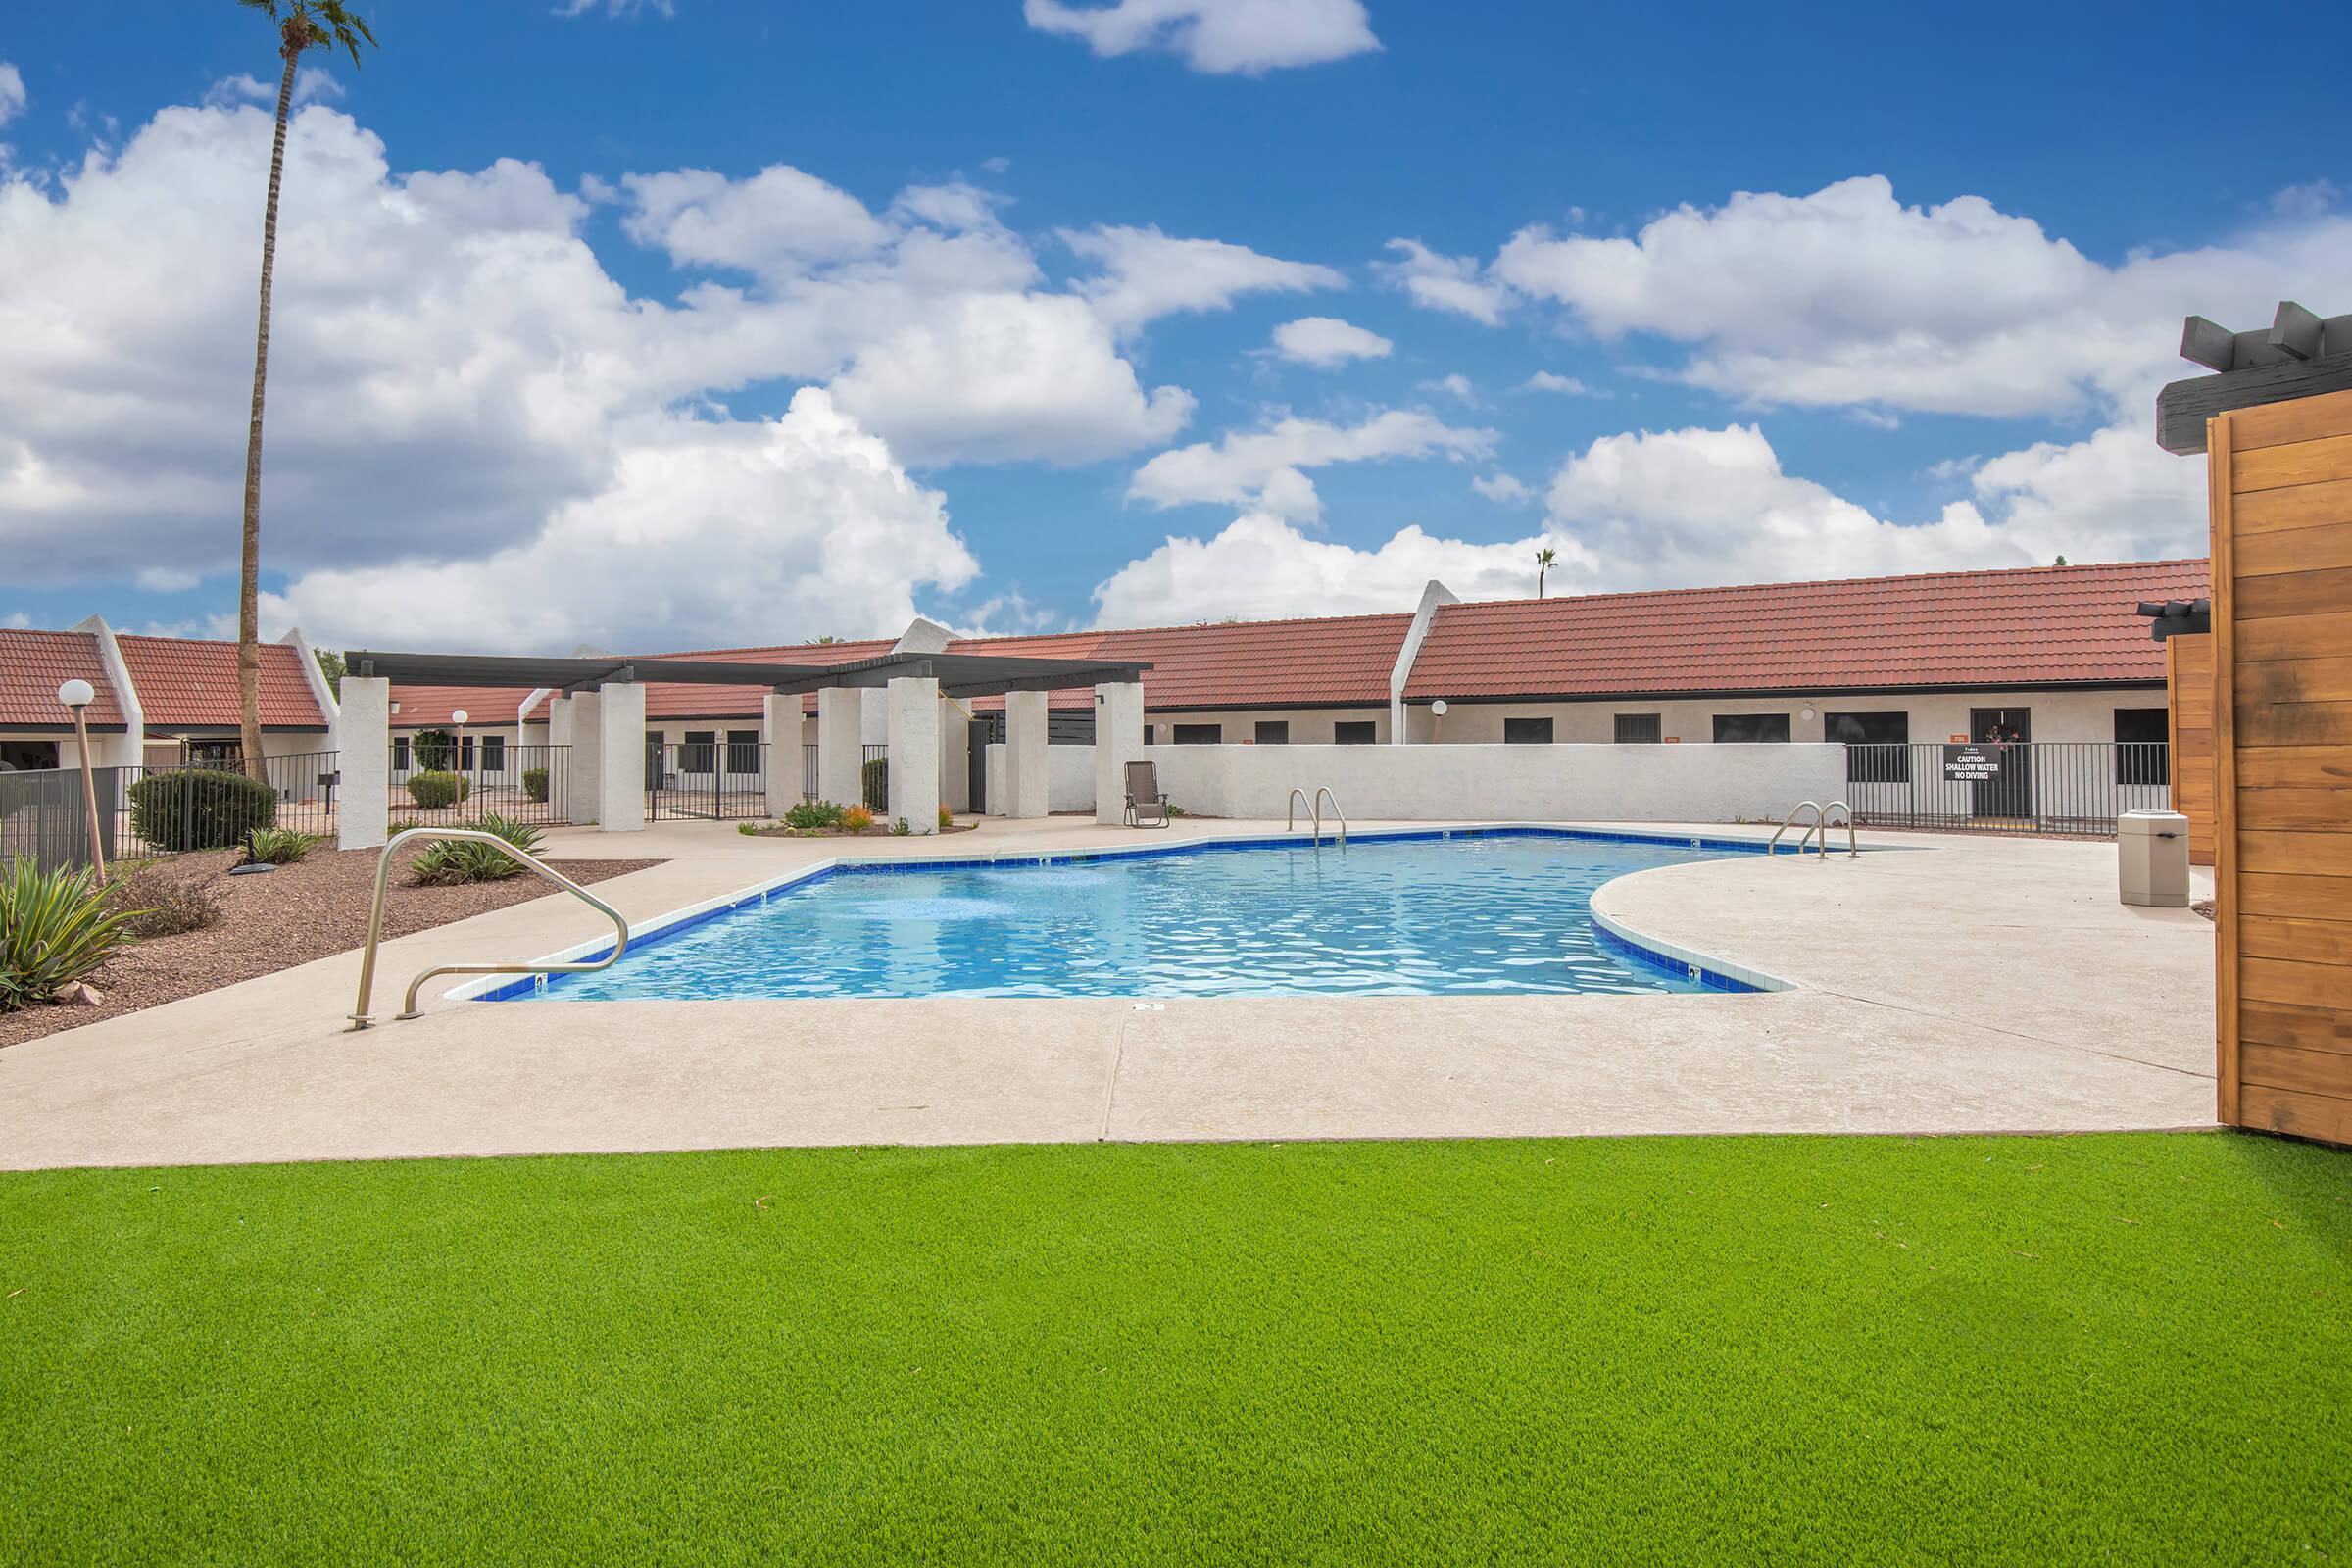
(596, 709)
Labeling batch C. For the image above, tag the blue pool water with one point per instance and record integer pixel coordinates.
(1498, 913)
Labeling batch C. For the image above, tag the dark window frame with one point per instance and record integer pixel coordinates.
(1761, 721)
(494, 753)
(1272, 732)
(1655, 724)
(1535, 730)
(1199, 734)
(2144, 760)
(743, 751)
(1355, 732)
(1887, 759)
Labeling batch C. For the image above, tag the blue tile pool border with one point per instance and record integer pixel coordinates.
(1616, 938)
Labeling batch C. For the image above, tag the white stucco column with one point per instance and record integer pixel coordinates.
(584, 775)
(1028, 777)
(780, 727)
(1118, 741)
(620, 769)
(915, 752)
(840, 744)
(362, 802)
(955, 757)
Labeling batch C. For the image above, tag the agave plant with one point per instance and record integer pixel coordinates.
(450, 861)
(277, 845)
(55, 927)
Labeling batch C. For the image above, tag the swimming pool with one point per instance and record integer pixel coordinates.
(1504, 911)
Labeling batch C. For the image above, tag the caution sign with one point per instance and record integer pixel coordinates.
(1971, 762)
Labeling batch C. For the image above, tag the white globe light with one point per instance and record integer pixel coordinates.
(1438, 707)
(458, 717)
(77, 694)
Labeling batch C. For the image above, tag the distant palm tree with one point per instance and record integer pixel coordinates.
(300, 24)
(1546, 559)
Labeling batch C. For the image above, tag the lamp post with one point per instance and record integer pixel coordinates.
(78, 695)
(457, 763)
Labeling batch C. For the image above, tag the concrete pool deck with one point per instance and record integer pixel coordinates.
(1972, 984)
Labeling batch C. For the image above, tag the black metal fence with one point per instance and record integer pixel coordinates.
(146, 811)
(873, 777)
(705, 781)
(808, 774)
(436, 784)
(2064, 788)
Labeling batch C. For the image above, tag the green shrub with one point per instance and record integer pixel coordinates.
(449, 862)
(277, 845)
(199, 808)
(947, 819)
(899, 829)
(437, 789)
(535, 784)
(876, 780)
(157, 904)
(55, 927)
(814, 814)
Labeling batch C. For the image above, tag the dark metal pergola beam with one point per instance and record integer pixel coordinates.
(957, 674)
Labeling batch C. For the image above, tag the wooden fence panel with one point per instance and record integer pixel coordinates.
(2188, 678)
(2280, 718)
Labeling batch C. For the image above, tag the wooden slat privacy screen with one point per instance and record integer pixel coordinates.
(2280, 481)
(2188, 682)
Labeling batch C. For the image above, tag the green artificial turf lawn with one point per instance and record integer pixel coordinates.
(2117, 1348)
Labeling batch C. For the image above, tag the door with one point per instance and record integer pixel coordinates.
(2009, 793)
(978, 732)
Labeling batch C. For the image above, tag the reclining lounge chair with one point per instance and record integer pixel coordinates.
(1147, 806)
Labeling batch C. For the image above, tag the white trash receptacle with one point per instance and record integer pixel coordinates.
(2152, 859)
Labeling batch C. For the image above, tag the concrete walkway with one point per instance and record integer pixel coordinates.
(1967, 985)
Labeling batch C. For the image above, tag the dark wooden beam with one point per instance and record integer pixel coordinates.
(2295, 331)
(2183, 408)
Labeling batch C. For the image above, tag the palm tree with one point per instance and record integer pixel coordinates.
(300, 24)
(1546, 559)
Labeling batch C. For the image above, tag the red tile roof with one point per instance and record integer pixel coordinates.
(2030, 627)
(183, 683)
(34, 664)
(430, 706)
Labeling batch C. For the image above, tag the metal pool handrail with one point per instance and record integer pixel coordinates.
(1789, 821)
(1853, 851)
(1323, 793)
(375, 922)
(1314, 810)
(1290, 806)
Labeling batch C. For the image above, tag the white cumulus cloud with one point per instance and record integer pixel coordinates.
(1453, 283)
(1261, 567)
(1221, 38)
(1265, 470)
(1325, 341)
(1143, 275)
(12, 92)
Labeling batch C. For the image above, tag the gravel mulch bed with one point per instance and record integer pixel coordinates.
(310, 909)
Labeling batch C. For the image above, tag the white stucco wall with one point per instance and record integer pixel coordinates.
(1588, 783)
(2087, 715)
(1069, 778)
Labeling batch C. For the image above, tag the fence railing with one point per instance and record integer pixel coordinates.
(808, 774)
(145, 811)
(441, 787)
(2065, 788)
(705, 781)
(873, 777)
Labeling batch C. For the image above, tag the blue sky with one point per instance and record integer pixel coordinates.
(1822, 378)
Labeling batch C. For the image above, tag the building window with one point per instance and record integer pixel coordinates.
(1641, 729)
(494, 753)
(1355, 732)
(400, 754)
(2141, 755)
(1199, 734)
(1150, 734)
(743, 751)
(700, 753)
(1527, 732)
(1736, 729)
(1878, 746)
(1273, 732)
(466, 754)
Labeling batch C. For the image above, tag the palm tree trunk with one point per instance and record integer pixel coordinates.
(249, 588)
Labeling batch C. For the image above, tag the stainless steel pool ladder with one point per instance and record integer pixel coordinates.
(375, 922)
(1820, 822)
(1314, 810)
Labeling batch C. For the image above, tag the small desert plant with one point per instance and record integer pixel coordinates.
(856, 819)
(55, 927)
(199, 808)
(449, 862)
(947, 819)
(438, 789)
(899, 829)
(157, 904)
(814, 814)
(277, 845)
(535, 784)
(747, 829)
